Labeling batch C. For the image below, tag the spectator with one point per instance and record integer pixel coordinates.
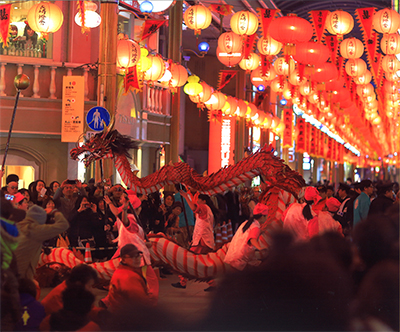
(384, 200)
(81, 276)
(21, 202)
(66, 200)
(186, 218)
(53, 188)
(33, 232)
(318, 206)
(115, 194)
(172, 222)
(11, 187)
(74, 316)
(129, 283)
(32, 310)
(27, 195)
(39, 193)
(241, 251)
(362, 202)
(329, 191)
(85, 224)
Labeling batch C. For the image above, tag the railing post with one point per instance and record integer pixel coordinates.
(53, 83)
(35, 87)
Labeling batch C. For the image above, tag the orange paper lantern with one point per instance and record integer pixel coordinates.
(355, 67)
(324, 72)
(386, 21)
(339, 22)
(156, 70)
(364, 78)
(45, 17)
(179, 75)
(268, 46)
(351, 48)
(197, 18)
(216, 102)
(230, 42)
(128, 53)
(229, 59)
(390, 43)
(251, 63)
(244, 23)
(390, 64)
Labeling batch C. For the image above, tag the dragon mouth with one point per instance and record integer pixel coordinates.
(87, 157)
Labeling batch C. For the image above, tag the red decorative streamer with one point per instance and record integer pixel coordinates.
(266, 16)
(287, 138)
(318, 19)
(4, 23)
(225, 76)
(149, 27)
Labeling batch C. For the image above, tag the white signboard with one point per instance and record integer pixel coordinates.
(72, 108)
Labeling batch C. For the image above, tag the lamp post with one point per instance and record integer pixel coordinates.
(21, 82)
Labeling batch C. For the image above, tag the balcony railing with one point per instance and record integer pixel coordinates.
(46, 78)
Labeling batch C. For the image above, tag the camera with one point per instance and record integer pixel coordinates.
(71, 181)
(9, 197)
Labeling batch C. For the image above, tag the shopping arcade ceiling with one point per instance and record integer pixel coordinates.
(302, 9)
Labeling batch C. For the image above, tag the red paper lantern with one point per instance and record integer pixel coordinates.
(365, 90)
(291, 29)
(325, 72)
(339, 23)
(305, 88)
(241, 108)
(295, 79)
(156, 70)
(233, 104)
(386, 21)
(311, 53)
(197, 18)
(251, 63)
(390, 43)
(355, 67)
(392, 77)
(179, 75)
(351, 48)
(258, 79)
(282, 67)
(128, 53)
(251, 110)
(230, 42)
(391, 87)
(268, 46)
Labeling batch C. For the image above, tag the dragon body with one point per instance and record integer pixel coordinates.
(112, 144)
(163, 250)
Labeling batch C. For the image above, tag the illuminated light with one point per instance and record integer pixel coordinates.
(225, 142)
(283, 102)
(292, 28)
(166, 77)
(158, 5)
(197, 18)
(261, 88)
(244, 23)
(146, 7)
(377, 169)
(92, 19)
(277, 138)
(311, 51)
(45, 18)
(204, 47)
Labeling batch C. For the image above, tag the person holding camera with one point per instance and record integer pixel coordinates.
(65, 198)
(84, 225)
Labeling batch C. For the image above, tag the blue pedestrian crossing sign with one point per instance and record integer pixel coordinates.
(98, 118)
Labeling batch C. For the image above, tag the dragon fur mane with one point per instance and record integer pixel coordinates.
(263, 162)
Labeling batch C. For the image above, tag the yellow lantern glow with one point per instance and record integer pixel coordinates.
(277, 85)
(241, 108)
(351, 48)
(193, 87)
(233, 104)
(197, 18)
(257, 78)
(282, 67)
(305, 88)
(229, 59)
(45, 17)
(251, 63)
(204, 95)
(128, 53)
(268, 46)
(144, 62)
(244, 23)
(156, 70)
(230, 43)
(339, 22)
(92, 19)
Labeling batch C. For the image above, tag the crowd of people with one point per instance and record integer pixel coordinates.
(333, 266)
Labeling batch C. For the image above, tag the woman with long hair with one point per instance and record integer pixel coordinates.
(241, 251)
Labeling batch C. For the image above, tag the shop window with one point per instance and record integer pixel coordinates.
(23, 41)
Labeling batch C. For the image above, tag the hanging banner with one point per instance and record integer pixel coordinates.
(313, 137)
(307, 137)
(265, 64)
(340, 66)
(333, 45)
(266, 16)
(248, 45)
(287, 138)
(341, 153)
(318, 19)
(149, 27)
(221, 9)
(225, 77)
(4, 23)
(329, 149)
(301, 137)
(132, 80)
(73, 103)
(365, 17)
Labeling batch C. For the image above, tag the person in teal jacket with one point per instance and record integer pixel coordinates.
(185, 237)
(362, 203)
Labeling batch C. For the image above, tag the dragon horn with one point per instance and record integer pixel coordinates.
(111, 125)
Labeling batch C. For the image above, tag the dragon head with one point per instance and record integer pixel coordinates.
(107, 144)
